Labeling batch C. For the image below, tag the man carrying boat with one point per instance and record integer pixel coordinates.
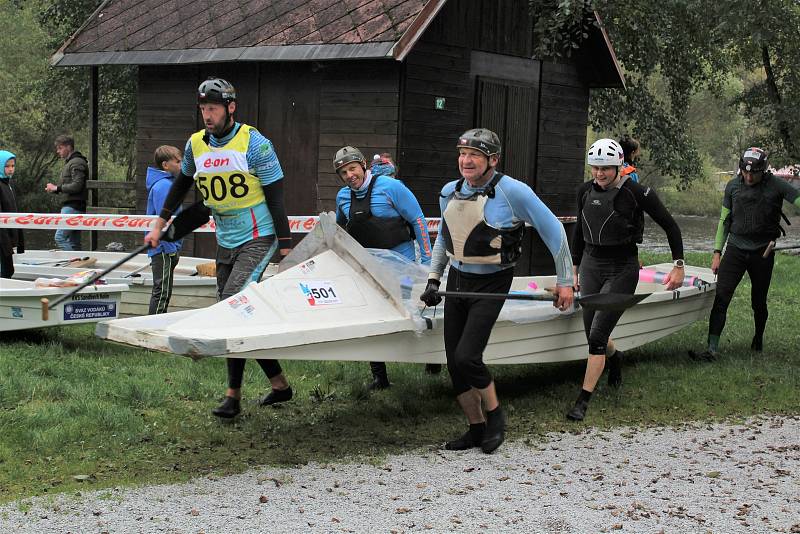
(241, 181)
(610, 224)
(749, 223)
(379, 212)
(483, 222)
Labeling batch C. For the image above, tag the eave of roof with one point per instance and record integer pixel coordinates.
(219, 55)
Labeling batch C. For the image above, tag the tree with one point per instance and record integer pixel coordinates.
(688, 47)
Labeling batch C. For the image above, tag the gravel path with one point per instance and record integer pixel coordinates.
(700, 478)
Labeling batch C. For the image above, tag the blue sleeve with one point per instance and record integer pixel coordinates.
(341, 218)
(409, 209)
(151, 207)
(262, 159)
(439, 259)
(187, 165)
(529, 208)
(159, 195)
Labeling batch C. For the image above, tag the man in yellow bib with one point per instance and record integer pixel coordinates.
(236, 170)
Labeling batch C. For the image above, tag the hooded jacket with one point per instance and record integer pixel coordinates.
(73, 181)
(158, 183)
(9, 237)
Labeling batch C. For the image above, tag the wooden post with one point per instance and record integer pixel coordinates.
(93, 150)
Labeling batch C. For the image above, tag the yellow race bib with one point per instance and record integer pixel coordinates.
(222, 175)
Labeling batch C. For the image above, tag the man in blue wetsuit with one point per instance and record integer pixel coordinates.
(241, 181)
(483, 221)
(379, 212)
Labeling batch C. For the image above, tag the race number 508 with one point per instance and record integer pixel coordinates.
(218, 188)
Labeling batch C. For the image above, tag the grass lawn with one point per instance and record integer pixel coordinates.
(80, 413)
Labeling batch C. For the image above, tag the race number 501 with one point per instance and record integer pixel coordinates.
(319, 293)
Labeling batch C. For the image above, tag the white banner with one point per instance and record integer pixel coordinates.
(299, 224)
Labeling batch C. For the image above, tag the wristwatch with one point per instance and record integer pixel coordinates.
(678, 263)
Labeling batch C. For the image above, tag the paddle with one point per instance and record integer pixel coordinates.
(772, 247)
(55, 263)
(598, 301)
(184, 223)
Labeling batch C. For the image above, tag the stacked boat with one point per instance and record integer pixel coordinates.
(21, 305)
(191, 288)
(334, 300)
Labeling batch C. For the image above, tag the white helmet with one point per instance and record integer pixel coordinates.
(605, 153)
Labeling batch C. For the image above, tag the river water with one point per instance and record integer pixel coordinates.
(699, 232)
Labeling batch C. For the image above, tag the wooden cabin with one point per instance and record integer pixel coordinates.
(403, 76)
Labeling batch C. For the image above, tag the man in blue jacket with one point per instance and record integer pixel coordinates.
(379, 212)
(164, 257)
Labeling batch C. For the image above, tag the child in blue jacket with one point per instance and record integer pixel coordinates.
(165, 256)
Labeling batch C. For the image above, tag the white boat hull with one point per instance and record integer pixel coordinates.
(369, 321)
(21, 307)
(191, 291)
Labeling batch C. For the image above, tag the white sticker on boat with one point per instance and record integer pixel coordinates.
(307, 267)
(242, 305)
(320, 293)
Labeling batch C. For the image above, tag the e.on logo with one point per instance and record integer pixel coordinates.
(216, 162)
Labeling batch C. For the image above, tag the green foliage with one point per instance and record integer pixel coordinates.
(39, 102)
(71, 404)
(679, 56)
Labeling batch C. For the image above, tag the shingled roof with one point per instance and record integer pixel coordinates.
(200, 31)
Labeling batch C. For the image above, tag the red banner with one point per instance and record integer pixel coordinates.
(299, 224)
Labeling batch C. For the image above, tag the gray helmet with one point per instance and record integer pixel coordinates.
(348, 154)
(754, 159)
(216, 91)
(480, 139)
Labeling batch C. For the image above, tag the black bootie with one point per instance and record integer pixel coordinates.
(229, 408)
(276, 396)
(578, 412)
(495, 432)
(472, 438)
(380, 380)
(757, 344)
(615, 369)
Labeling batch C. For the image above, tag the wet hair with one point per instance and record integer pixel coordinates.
(165, 153)
(629, 146)
(64, 140)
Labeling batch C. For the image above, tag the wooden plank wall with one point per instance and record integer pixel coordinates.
(428, 157)
(358, 106)
(563, 118)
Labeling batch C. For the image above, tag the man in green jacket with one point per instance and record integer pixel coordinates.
(72, 185)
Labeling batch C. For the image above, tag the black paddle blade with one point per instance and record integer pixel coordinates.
(186, 222)
(598, 301)
(610, 301)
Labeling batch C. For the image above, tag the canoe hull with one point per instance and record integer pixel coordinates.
(21, 309)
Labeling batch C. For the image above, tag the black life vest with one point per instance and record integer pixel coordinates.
(756, 211)
(603, 225)
(375, 232)
(470, 239)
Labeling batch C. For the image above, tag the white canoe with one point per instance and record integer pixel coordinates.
(21, 308)
(337, 302)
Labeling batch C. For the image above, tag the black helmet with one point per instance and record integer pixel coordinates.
(754, 159)
(216, 91)
(348, 154)
(480, 139)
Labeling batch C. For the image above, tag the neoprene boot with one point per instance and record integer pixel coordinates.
(380, 380)
(229, 408)
(578, 412)
(276, 396)
(757, 344)
(615, 369)
(495, 432)
(472, 438)
(707, 355)
(433, 368)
